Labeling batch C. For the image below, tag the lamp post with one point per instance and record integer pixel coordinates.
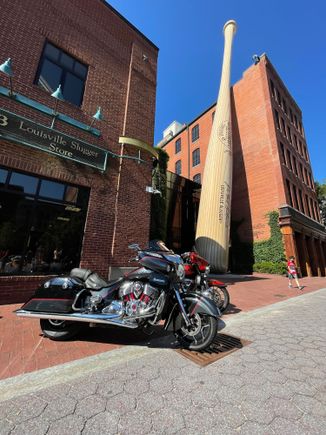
(57, 94)
(6, 68)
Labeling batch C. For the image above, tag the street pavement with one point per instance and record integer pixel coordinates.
(23, 348)
(275, 385)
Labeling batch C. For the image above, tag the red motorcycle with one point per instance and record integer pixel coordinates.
(197, 270)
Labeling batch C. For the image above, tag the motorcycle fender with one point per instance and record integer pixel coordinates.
(215, 282)
(194, 304)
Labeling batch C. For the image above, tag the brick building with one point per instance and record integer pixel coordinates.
(271, 166)
(66, 196)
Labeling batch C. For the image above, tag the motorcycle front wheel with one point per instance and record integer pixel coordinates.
(221, 297)
(59, 330)
(200, 334)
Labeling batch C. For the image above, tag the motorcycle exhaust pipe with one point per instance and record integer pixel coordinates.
(78, 317)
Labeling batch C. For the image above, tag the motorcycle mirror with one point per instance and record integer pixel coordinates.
(134, 246)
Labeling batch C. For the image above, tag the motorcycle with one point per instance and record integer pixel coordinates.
(196, 279)
(143, 297)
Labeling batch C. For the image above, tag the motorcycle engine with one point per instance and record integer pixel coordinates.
(139, 298)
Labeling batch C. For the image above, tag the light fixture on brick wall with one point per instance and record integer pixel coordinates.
(6, 69)
(57, 94)
(98, 116)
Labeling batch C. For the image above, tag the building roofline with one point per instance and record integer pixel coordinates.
(188, 125)
(129, 23)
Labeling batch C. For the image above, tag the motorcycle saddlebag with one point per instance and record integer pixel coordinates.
(55, 295)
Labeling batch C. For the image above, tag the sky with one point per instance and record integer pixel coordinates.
(189, 36)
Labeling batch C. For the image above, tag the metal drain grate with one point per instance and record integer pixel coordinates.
(222, 346)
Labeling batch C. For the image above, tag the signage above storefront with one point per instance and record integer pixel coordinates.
(23, 131)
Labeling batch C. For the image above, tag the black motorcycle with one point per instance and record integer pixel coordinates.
(151, 293)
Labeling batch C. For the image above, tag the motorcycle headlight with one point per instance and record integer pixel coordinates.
(181, 272)
(208, 270)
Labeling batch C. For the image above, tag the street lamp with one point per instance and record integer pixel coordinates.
(57, 94)
(7, 69)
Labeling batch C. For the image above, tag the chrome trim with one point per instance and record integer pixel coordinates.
(77, 317)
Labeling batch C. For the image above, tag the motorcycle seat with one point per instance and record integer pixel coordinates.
(91, 279)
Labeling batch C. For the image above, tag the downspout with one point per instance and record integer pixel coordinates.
(188, 144)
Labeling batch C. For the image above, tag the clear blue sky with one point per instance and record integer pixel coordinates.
(189, 36)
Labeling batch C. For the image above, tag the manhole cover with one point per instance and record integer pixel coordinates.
(222, 346)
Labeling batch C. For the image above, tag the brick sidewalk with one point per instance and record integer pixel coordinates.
(23, 348)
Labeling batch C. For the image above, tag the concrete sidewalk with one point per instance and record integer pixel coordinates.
(275, 385)
(23, 349)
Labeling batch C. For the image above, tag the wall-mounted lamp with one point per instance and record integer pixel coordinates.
(57, 94)
(98, 116)
(6, 68)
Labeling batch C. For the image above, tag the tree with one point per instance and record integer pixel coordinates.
(321, 197)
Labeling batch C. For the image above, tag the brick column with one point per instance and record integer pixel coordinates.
(306, 256)
(312, 256)
(321, 257)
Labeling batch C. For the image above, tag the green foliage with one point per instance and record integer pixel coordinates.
(269, 254)
(321, 197)
(270, 267)
(158, 202)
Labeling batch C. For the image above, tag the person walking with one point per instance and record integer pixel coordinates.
(292, 273)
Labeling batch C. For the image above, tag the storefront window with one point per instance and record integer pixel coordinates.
(41, 224)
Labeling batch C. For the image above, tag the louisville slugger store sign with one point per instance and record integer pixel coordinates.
(21, 130)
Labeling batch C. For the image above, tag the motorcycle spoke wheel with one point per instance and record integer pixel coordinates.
(221, 297)
(200, 334)
(59, 330)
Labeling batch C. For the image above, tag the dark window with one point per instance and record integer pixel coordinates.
(272, 88)
(308, 206)
(197, 179)
(213, 116)
(178, 167)
(23, 183)
(291, 115)
(37, 218)
(277, 118)
(283, 126)
(295, 121)
(195, 133)
(301, 172)
(57, 67)
(279, 98)
(296, 197)
(283, 154)
(301, 201)
(178, 145)
(289, 160)
(3, 175)
(289, 134)
(52, 189)
(295, 142)
(289, 192)
(196, 157)
(284, 107)
(295, 166)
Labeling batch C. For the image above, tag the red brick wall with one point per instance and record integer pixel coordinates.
(119, 81)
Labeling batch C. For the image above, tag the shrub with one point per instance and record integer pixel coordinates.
(270, 267)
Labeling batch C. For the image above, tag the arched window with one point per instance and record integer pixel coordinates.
(197, 178)
(196, 157)
(178, 167)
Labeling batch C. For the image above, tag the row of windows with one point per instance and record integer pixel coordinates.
(194, 137)
(195, 161)
(302, 202)
(292, 138)
(57, 67)
(297, 168)
(288, 111)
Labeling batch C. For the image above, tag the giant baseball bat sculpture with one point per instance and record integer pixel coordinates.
(213, 224)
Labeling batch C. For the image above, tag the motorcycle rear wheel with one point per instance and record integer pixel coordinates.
(221, 297)
(59, 330)
(200, 334)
